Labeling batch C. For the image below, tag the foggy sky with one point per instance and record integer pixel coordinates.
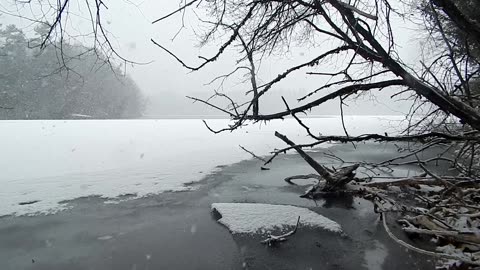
(166, 82)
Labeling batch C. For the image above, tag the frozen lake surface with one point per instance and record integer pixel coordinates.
(47, 162)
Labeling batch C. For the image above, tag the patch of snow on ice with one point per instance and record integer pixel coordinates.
(258, 218)
(105, 237)
(193, 229)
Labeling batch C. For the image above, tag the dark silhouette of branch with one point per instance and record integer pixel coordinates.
(341, 92)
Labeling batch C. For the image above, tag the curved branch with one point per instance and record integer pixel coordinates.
(341, 92)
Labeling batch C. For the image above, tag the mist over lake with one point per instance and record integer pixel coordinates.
(50, 161)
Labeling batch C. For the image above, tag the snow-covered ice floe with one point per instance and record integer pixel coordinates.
(259, 218)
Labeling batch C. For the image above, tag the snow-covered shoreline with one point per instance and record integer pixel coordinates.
(50, 161)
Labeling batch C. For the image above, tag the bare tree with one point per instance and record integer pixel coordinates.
(57, 18)
(360, 31)
(444, 111)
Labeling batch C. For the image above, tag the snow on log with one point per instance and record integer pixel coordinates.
(260, 218)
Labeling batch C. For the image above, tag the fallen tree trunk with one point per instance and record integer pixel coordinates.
(340, 178)
(315, 165)
(467, 237)
(334, 181)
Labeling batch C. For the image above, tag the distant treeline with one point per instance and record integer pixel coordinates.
(61, 81)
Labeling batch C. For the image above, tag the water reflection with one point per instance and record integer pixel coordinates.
(375, 257)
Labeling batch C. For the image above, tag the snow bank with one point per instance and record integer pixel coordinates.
(259, 218)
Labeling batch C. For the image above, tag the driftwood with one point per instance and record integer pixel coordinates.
(322, 171)
(464, 259)
(334, 180)
(449, 213)
(272, 239)
(405, 182)
(467, 236)
(253, 154)
(340, 178)
(450, 220)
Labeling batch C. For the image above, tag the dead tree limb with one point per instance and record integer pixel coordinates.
(253, 154)
(334, 180)
(322, 171)
(426, 252)
(467, 237)
(273, 239)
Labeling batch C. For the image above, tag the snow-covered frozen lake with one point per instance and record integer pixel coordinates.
(45, 162)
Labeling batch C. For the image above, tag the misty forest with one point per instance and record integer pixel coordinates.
(37, 85)
(296, 134)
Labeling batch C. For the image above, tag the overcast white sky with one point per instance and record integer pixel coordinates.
(129, 22)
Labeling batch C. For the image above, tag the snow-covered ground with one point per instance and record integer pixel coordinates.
(46, 162)
(261, 218)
